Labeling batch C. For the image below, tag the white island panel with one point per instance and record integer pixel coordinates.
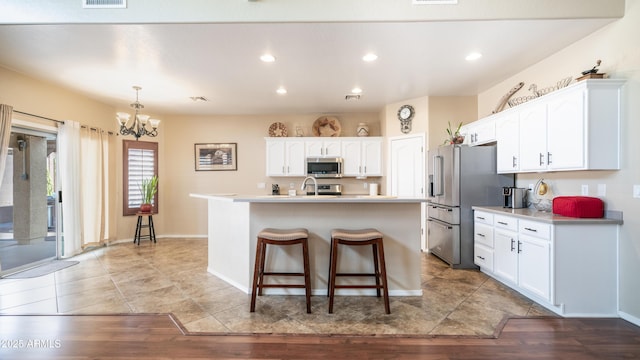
(234, 223)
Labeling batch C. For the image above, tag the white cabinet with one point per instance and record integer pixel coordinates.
(323, 147)
(506, 248)
(362, 157)
(521, 253)
(566, 131)
(574, 128)
(508, 143)
(533, 137)
(480, 132)
(285, 157)
(534, 258)
(570, 266)
(483, 240)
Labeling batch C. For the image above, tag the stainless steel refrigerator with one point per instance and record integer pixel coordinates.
(460, 177)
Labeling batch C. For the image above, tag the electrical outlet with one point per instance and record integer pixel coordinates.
(365, 185)
(262, 185)
(531, 187)
(585, 190)
(636, 191)
(602, 190)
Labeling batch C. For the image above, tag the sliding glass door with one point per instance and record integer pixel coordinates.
(28, 202)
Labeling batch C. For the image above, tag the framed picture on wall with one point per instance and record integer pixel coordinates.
(216, 156)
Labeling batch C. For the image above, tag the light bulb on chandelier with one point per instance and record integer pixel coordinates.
(138, 127)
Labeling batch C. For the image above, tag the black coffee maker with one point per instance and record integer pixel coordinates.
(514, 198)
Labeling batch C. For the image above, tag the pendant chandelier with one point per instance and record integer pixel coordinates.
(138, 127)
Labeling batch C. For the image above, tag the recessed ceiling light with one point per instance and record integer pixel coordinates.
(268, 58)
(356, 90)
(281, 91)
(370, 57)
(473, 56)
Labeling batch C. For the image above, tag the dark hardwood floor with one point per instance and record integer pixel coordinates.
(159, 336)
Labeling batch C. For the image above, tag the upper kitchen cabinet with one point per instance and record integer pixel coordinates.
(533, 137)
(508, 142)
(362, 157)
(285, 157)
(331, 147)
(480, 132)
(575, 128)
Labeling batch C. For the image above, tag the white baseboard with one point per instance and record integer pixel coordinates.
(630, 318)
(119, 241)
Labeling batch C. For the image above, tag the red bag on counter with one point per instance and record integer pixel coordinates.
(578, 206)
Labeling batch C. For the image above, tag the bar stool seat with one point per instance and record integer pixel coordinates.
(140, 225)
(359, 237)
(281, 237)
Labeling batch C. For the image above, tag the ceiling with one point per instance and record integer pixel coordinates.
(319, 63)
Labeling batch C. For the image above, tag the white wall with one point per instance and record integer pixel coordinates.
(617, 46)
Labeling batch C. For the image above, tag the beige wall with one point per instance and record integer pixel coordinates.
(616, 45)
(445, 109)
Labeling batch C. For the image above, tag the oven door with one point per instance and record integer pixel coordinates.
(444, 240)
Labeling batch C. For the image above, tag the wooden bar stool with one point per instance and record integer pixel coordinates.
(361, 237)
(283, 238)
(139, 226)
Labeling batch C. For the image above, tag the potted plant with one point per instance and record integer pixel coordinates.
(148, 189)
(454, 136)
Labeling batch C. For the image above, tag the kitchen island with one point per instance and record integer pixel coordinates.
(235, 220)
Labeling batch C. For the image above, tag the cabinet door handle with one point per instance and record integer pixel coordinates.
(479, 234)
(283, 170)
(514, 162)
(480, 217)
(519, 247)
(541, 159)
(480, 257)
(365, 169)
(549, 158)
(512, 244)
(530, 229)
(502, 223)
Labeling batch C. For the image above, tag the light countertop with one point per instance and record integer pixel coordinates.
(611, 217)
(309, 198)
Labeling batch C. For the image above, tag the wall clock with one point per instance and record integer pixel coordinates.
(405, 115)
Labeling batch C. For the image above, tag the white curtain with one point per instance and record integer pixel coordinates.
(70, 174)
(6, 113)
(96, 200)
(86, 177)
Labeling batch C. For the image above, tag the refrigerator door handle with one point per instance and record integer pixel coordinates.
(438, 180)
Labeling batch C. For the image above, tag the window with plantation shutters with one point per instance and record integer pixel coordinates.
(140, 161)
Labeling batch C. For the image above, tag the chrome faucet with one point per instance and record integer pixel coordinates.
(315, 184)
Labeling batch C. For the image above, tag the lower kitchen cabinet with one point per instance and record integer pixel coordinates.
(567, 265)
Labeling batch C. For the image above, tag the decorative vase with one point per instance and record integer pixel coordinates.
(362, 129)
(146, 208)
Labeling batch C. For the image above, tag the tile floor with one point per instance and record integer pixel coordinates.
(171, 276)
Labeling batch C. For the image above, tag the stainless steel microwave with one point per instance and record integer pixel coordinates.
(324, 167)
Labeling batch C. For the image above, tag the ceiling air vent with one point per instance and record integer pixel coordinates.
(104, 4)
(352, 97)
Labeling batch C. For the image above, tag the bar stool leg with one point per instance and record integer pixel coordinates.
(152, 229)
(383, 277)
(332, 276)
(376, 266)
(254, 286)
(138, 230)
(307, 274)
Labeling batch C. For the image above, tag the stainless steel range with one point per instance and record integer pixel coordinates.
(460, 177)
(325, 189)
